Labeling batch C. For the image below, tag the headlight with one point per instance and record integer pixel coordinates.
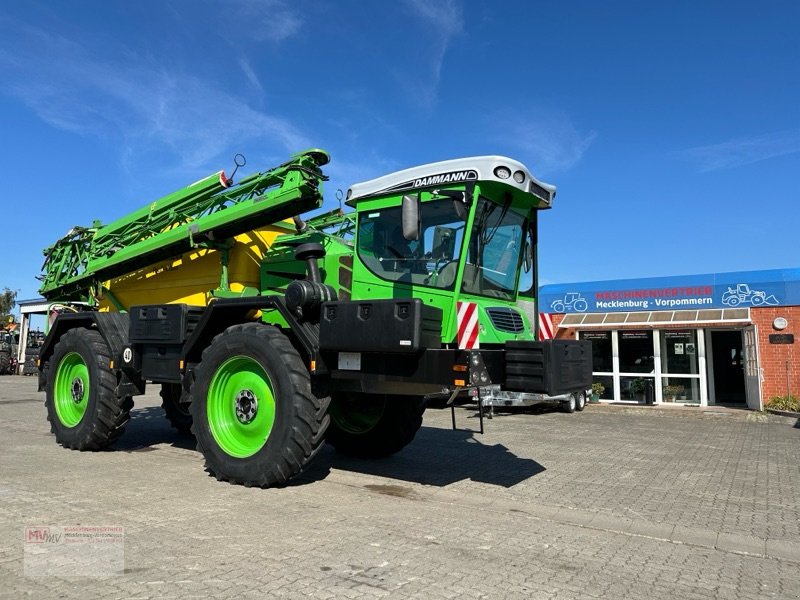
(502, 172)
(519, 176)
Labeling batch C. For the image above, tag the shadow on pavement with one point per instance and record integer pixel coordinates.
(148, 427)
(436, 456)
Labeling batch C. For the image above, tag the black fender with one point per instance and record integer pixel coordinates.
(113, 326)
(225, 312)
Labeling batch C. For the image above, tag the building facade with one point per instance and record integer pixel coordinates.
(713, 339)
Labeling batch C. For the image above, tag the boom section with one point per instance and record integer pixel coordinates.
(207, 212)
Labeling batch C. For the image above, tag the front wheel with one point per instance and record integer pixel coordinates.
(569, 404)
(580, 402)
(374, 425)
(255, 417)
(83, 409)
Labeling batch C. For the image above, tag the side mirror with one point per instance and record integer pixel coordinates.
(410, 217)
(527, 257)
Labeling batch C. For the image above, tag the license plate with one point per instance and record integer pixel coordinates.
(350, 361)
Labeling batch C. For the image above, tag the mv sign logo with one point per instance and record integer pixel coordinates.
(41, 535)
(571, 302)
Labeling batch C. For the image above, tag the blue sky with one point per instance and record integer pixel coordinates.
(672, 129)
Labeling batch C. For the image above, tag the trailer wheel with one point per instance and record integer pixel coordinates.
(580, 403)
(83, 409)
(177, 412)
(255, 417)
(374, 425)
(569, 405)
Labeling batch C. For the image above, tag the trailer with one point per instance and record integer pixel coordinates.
(269, 334)
(493, 397)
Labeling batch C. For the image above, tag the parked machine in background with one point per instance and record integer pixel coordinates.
(269, 335)
(9, 341)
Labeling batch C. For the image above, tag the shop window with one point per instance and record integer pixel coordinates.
(681, 389)
(608, 384)
(639, 389)
(636, 352)
(602, 358)
(679, 352)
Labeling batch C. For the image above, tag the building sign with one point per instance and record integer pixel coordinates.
(781, 338)
(716, 290)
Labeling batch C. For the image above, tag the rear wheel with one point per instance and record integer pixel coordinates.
(255, 417)
(580, 401)
(177, 412)
(83, 409)
(569, 404)
(374, 425)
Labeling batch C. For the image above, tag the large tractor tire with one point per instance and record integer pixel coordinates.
(5, 363)
(177, 412)
(256, 419)
(83, 409)
(374, 425)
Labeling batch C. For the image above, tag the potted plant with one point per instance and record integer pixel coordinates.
(638, 386)
(671, 392)
(597, 391)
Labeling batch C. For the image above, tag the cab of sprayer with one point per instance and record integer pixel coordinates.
(450, 233)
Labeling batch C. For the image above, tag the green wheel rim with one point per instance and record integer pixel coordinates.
(357, 416)
(237, 382)
(71, 389)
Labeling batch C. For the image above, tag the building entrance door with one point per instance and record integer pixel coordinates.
(752, 372)
(728, 364)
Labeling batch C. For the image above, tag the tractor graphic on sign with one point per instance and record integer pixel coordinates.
(571, 302)
(743, 294)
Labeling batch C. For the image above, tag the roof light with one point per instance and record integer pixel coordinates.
(502, 172)
(519, 176)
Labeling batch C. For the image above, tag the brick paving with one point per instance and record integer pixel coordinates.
(608, 503)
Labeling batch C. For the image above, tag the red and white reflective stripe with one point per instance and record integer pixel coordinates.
(224, 180)
(467, 322)
(545, 326)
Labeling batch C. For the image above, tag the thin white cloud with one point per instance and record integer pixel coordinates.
(250, 74)
(146, 104)
(266, 20)
(744, 151)
(444, 20)
(548, 142)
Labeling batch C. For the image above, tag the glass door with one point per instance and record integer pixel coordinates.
(680, 367)
(636, 366)
(602, 360)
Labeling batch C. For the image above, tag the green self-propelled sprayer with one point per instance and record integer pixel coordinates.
(269, 335)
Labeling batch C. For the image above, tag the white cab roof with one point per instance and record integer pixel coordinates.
(448, 172)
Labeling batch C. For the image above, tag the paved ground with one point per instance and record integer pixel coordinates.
(608, 503)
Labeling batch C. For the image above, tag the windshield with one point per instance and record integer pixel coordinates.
(495, 247)
(432, 260)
